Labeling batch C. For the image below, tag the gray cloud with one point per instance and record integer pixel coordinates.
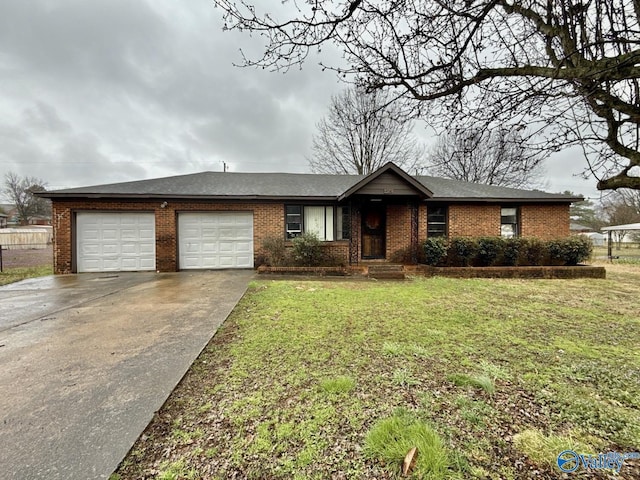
(116, 90)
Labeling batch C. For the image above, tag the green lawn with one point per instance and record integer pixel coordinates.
(338, 379)
(11, 275)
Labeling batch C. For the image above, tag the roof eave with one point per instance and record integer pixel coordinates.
(170, 196)
(499, 200)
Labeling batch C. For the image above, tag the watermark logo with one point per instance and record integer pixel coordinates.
(569, 461)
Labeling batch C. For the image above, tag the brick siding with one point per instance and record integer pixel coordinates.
(268, 221)
(540, 220)
(544, 221)
(473, 220)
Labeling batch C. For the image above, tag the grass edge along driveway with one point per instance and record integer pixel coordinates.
(333, 379)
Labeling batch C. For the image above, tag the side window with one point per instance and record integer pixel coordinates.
(318, 220)
(343, 229)
(437, 221)
(509, 227)
(293, 221)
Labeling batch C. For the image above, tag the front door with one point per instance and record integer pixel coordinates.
(373, 231)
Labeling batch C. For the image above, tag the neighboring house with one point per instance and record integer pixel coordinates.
(597, 239)
(40, 220)
(219, 220)
(11, 213)
(3, 220)
(577, 228)
(13, 216)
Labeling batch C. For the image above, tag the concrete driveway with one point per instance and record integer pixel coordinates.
(86, 360)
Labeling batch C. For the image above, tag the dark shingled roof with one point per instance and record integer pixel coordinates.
(219, 185)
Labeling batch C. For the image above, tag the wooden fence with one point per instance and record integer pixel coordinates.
(25, 238)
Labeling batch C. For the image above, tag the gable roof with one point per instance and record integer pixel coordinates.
(299, 186)
(418, 187)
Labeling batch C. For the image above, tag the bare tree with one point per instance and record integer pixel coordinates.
(498, 157)
(621, 208)
(361, 133)
(20, 191)
(566, 71)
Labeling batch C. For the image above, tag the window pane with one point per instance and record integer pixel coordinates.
(436, 221)
(344, 223)
(293, 221)
(509, 222)
(328, 215)
(314, 221)
(508, 230)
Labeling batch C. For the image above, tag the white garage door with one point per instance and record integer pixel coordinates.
(115, 241)
(215, 240)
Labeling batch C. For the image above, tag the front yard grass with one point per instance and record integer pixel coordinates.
(11, 275)
(335, 379)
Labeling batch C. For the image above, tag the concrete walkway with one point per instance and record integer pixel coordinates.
(86, 360)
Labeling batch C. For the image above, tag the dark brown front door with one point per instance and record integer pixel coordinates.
(373, 231)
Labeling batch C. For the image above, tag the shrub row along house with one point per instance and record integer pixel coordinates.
(220, 220)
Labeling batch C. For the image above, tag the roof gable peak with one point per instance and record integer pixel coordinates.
(389, 179)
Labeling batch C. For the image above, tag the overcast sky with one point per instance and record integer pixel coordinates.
(105, 91)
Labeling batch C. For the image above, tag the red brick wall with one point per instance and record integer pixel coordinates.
(474, 220)
(398, 228)
(545, 221)
(339, 250)
(540, 220)
(268, 221)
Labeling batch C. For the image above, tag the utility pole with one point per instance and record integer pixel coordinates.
(224, 167)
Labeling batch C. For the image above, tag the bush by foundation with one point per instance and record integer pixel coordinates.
(496, 251)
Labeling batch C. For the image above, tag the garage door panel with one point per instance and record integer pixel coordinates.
(244, 247)
(115, 241)
(110, 249)
(209, 240)
(209, 248)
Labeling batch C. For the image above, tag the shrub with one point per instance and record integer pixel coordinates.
(488, 250)
(555, 249)
(403, 255)
(435, 250)
(275, 252)
(307, 250)
(511, 251)
(532, 252)
(461, 251)
(578, 250)
(570, 251)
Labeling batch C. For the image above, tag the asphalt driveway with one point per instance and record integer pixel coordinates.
(86, 360)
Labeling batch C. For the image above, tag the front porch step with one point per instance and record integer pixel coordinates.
(386, 272)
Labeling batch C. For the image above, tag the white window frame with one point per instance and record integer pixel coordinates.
(509, 229)
(326, 221)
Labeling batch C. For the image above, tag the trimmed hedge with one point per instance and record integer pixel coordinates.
(496, 251)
